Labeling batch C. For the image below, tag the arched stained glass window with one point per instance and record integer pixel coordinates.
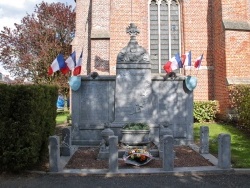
(164, 26)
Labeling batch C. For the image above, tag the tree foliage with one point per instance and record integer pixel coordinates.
(239, 96)
(29, 49)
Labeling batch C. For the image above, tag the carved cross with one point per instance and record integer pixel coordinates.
(132, 31)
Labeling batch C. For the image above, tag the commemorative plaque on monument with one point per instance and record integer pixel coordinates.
(133, 83)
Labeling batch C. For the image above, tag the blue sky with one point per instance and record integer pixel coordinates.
(12, 11)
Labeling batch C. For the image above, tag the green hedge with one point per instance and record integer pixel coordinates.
(205, 111)
(240, 102)
(27, 119)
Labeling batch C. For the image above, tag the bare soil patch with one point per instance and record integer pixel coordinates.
(86, 158)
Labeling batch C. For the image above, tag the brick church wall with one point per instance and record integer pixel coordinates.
(81, 40)
(101, 33)
(122, 14)
(231, 47)
(197, 35)
(219, 53)
(100, 37)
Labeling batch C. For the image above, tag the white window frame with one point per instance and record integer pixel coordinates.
(159, 2)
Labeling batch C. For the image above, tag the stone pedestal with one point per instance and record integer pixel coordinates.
(168, 153)
(66, 142)
(224, 151)
(133, 83)
(113, 154)
(104, 146)
(164, 131)
(54, 153)
(204, 140)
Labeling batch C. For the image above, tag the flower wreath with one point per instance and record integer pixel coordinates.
(137, 157)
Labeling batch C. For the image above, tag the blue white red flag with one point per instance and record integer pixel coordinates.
(167, 67)
(197, 63)
(71, 61)
(78, 67)
(58, 64)
(187, 59)
(178, 59)
(173, 64)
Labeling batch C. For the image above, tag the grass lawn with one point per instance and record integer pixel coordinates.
(61, 117)
(240, 142)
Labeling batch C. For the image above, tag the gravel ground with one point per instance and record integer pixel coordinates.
(86, 158)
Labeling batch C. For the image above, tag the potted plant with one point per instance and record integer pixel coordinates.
(135, 134)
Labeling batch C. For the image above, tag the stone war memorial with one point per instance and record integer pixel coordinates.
(103, 105)
(134, 116)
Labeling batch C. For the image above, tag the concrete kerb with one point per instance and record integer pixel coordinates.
(242, 170)
(176, 171)
(144, 171)
(65, 159)
(212, 159)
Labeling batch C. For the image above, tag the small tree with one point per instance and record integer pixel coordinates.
(29, 49)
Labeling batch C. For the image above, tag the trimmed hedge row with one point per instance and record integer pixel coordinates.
(27, 119)
(205, 111)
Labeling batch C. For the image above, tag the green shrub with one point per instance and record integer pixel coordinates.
(240, 101)
(136, 126)
(69, 118)
(205, 111)
(27, 114)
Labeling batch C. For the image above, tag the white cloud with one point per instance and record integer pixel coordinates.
(20, 4)
(8, 22)
(12, 11)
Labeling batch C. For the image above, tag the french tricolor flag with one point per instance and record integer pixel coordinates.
(71, 61)
(187, 59)
(197, 63)
(78, 67)
(58, 64)
(178, 59)
(173, 64)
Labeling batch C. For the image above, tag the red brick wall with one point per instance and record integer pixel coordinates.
(80, 41)
(235, 10)
(100, 56)
(122, 14)
(202, 32)
(237, 43)
(219, 53)
(197, 35)
(231, 48)
(100, 22)
(237, 53)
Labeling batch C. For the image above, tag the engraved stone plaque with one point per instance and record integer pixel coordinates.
(96, 104)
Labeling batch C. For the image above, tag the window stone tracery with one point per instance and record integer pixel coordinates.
(164, 27)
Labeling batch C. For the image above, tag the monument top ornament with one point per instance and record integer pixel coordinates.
(133, 31)
(132, 53)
